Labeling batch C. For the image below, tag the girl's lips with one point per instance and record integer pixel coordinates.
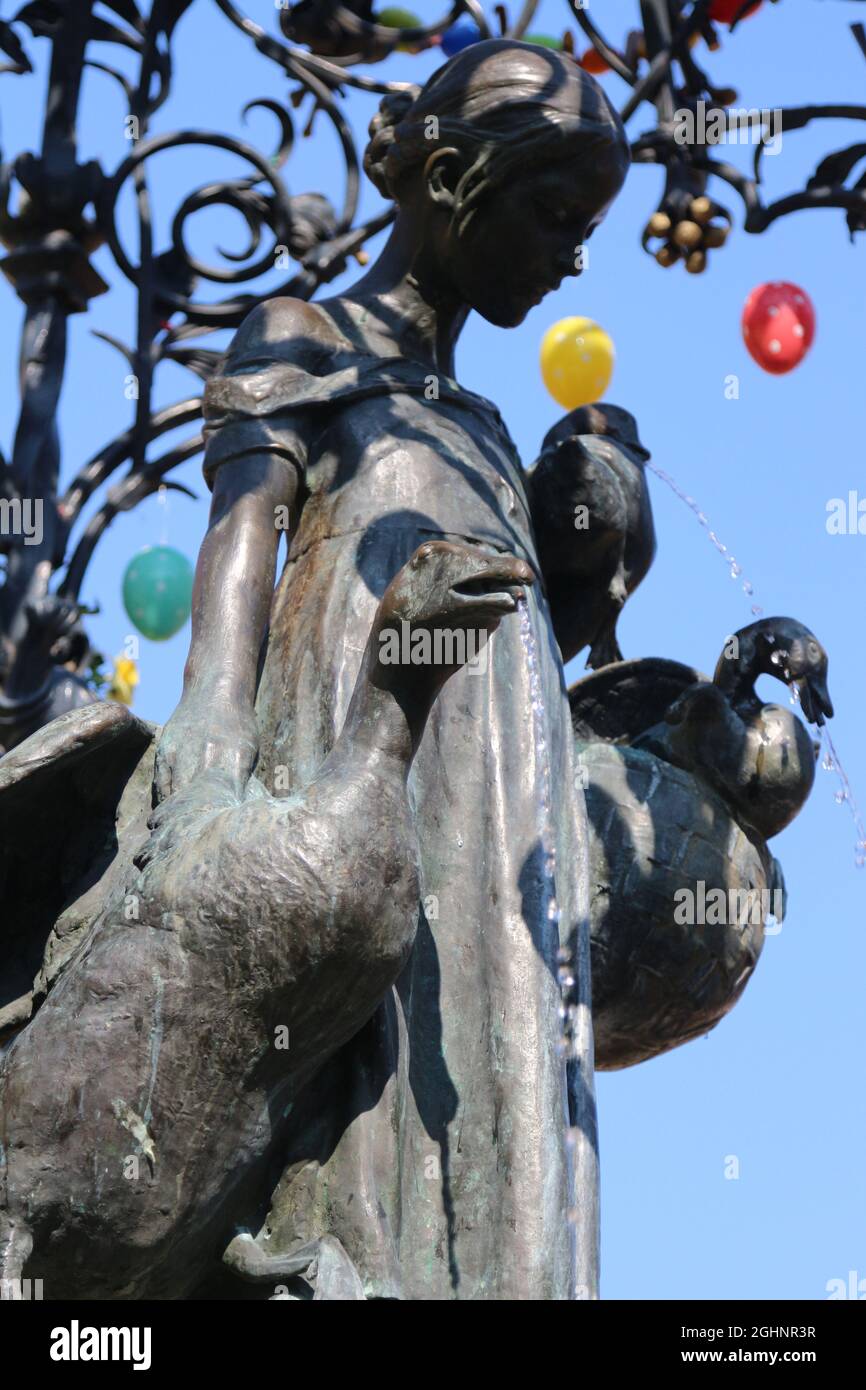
(536, 293)
(532, 293)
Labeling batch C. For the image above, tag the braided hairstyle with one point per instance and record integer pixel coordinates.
(503, 104)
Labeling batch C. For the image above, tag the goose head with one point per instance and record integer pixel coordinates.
(780, 647)
(443, 605)
(456, 586)
(806, 670)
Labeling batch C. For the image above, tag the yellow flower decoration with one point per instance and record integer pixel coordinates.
(124, 680)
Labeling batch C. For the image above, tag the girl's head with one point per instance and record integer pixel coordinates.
(504, 162)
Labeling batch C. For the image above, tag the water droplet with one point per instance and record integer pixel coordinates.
(840, 797)
(748, 588)
(828, 763)
(758, 612)
(735, 570)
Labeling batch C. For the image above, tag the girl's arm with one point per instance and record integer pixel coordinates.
(215, 725)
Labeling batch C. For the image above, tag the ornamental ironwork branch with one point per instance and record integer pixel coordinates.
(57, 210)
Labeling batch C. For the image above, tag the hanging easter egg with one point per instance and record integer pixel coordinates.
(592, 62)
(157, 591)
(726, 11)
(544, 40)
(396, 18)
(463, 32)
(577, 360)
(778, 326)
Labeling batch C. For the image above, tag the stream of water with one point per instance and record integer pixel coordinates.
(568, 1042)
(544, 817)
(831, 762)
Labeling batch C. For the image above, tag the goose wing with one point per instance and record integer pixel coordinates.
(59, 796)
(623, 700)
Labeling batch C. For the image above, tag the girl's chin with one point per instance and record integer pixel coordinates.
(509, 313)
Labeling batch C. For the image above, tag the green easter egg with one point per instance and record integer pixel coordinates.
(157, 591)
(545, 40)
(395, 18)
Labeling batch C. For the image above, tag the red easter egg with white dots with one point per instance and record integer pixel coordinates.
(778, 326)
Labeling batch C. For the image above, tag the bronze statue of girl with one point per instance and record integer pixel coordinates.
(445, 1148)
(433, 1145)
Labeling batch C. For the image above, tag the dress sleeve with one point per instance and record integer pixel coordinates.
(247, 408)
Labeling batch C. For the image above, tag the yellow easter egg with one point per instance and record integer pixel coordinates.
(577, 360)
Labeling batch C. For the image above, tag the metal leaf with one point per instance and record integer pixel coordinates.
(856, 220)
(166, 14)
(128, 88)
(110, 33)
(835, 169)
(11, 44)
(122, 348)
(202, 361)
(42, 17)
(127, 10)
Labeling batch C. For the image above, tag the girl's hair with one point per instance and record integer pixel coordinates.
(503, 104)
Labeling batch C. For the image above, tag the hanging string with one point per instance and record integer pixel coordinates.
(162, 499)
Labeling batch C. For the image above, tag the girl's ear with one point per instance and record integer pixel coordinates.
(442, 173)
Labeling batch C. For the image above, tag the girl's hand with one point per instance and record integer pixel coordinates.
(206, 731)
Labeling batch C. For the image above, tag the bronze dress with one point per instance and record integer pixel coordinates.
(434, 1146)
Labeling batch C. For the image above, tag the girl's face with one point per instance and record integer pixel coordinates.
(526, 235)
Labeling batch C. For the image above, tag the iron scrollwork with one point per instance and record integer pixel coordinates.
(56, 210)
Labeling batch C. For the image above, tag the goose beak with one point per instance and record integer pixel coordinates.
(815, 698)
(495, 586)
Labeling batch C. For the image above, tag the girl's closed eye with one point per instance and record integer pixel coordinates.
(557, 216)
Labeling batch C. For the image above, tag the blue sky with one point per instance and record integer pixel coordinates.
(778, 1083)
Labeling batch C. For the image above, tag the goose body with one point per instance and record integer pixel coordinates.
(759, 757)
(253, 938)
(685, 778)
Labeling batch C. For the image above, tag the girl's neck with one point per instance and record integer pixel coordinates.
(406, 306)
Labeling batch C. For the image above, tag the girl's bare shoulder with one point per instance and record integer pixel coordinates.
(286, 329)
